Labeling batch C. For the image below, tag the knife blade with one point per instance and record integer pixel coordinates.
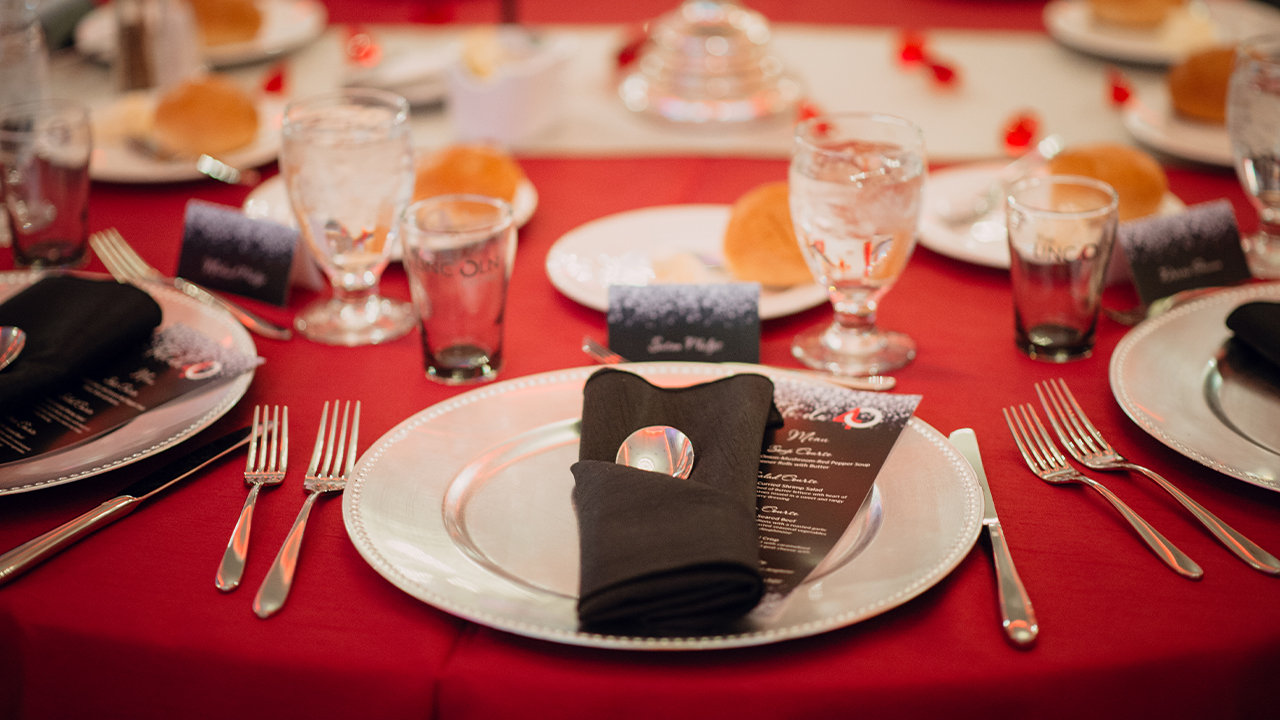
(1019, 618)
(29, 554)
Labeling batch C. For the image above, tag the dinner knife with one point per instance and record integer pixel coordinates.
(1019, 618)
(29, 554)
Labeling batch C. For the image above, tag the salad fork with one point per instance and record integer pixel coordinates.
(1090, 449)
(127, 266)
(1048, 464)
(327, 475)
(267, 463)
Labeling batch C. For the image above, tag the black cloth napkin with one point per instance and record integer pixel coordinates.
(72, 325)
(661, 555)
(1257, 324)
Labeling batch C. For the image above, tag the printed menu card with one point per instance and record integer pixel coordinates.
(816, 470)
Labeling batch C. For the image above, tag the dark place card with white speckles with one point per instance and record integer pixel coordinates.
(224, 250)
(816, 471)
(703, 323)
(1196, 249)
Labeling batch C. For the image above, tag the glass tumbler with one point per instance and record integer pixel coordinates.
(1062, 230)
(1253, 124)
(459, 252)
(855, 183)
(348, 169)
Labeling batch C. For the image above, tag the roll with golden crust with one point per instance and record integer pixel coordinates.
(222, 22)
(1134, 13)
(760, 241)
(472, 169)
(209, 115)
(1198, 85)
(1136, 176)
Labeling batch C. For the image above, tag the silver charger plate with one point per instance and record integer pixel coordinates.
(1165, 374)
(151, 432)
(466, 506)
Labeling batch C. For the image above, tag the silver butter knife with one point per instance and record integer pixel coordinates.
(29, 554)
(1019, 618)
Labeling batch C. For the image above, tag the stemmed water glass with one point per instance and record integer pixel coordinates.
(1253, 123)
(855, 185)
(348, 168)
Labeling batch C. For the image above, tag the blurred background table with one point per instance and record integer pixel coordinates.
(127, 623)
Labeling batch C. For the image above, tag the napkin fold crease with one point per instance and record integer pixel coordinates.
(660, 554)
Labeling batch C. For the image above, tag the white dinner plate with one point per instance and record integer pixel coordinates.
(466, 506)
(1150, 119)
(114, 161)
(286, 25)
(1162, 375)
(1071, 23)
(153, 431)
(983, 242)
(270, 201)
(666, 244)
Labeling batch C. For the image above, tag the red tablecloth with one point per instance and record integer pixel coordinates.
(127, 623)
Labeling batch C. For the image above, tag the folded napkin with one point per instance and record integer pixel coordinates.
(72, 325)
(659, 554)
(1257, 324)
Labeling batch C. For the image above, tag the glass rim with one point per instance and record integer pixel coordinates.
(345, 96)
(801, 134)
(1111, 207)
(506, 218)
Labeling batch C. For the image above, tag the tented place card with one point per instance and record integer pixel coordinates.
(816, 470)
(701, 323)
(179, 360)
(224, 250)
(1196, 249)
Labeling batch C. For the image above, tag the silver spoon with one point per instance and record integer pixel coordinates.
(658, 448)
(12, 340)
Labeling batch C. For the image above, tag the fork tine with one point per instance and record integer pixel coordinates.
(327, 463)
(1090, 432)
(1056, 459)
(1064, 430)
(314, 467)
(253, 441)
(284, 442)
(1038, 450)
(107, 253)
(340, 447)
(128, 256)
(273, 456)
(351, 449)
(1017, 438)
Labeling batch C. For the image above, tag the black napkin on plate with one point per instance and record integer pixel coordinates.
(72, 324)
(662, 555)
(1257, 324)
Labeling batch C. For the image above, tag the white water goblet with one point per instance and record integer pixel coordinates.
(1253, 123)
(855, 185)
(347, 164)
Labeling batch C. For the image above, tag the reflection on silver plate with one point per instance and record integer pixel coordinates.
(1167, 375)
(466, 506)
(153, 431)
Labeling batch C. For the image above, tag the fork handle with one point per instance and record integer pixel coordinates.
(233, 560)
(1243, 547)
(253, 322)
(1165, 550)
(275, 588)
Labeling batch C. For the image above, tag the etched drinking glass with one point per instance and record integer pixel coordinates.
(348, 167)
(1253, 123)
(855, 185)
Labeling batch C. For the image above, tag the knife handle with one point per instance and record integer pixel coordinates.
(33, 552)
(261, 326)
(1019, 618)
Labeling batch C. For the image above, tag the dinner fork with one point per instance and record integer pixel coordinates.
(127, 266)
(603, 355)
(267, 463)
(329, 475)
(1090, 449)
(1048, 464)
